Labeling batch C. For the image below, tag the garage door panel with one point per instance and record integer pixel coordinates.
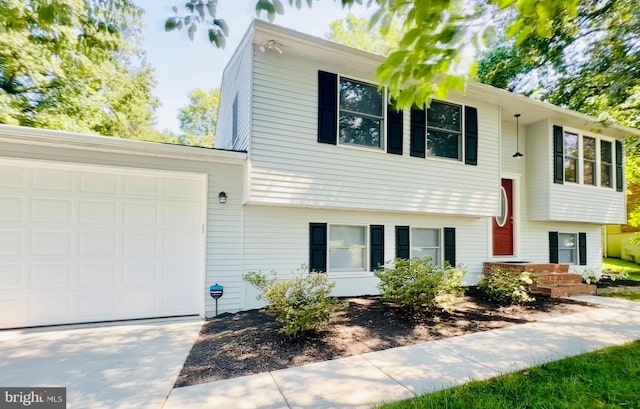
(11, 209)
(97, 276)
(52, 179)
(98, 183)
(98, 212)
(89, 243)
(10, 276)
(51, 210)
(141, 186)
(97, 244)
(141, 214)
(51, 243)
(11, 243)
(45, 276)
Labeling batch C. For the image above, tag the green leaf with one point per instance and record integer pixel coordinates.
(200, 10)
(278, 7)
(211, 8)
(223, 26)
(175, 9)
(192, 31)
(170, 24)
(409, 37)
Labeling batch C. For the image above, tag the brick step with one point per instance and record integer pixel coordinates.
(557, 291)
(545, 278)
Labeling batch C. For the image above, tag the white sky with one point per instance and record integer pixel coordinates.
(181, 65)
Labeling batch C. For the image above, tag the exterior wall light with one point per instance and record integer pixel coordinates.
(222, 197)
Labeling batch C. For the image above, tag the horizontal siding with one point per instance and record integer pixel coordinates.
(289, 167)
(539, 166)
(236, 81)
(276, 238)
(573, 202)
(224, 222)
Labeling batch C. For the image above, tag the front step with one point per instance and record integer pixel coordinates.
(564, 290)
(546, 278)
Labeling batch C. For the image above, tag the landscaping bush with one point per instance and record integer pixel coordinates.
(506, 287)
(298, 304)
(418, 284)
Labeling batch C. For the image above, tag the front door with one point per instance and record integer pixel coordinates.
(503, 224)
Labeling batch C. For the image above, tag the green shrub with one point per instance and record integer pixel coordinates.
(418, 284)
(298, 304)
(506, 287)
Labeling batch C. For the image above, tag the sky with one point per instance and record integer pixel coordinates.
(182, 66)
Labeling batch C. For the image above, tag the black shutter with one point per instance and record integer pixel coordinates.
(619, 168)
(450, 245)
(327, 107)
(471, 135)
(394, 130)
(376, 259)
(402, 242)
(318, 247)
(558, 154)
(418, 131)
(553, 247)
(582, 248)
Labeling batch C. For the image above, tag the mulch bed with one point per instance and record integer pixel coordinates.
(607, 283)
(249, 342)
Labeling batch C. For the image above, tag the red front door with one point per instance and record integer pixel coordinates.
(503, 224)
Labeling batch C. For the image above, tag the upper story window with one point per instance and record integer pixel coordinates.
(606, 164)
(444, 130)
(570, 157)
(347, 248)
(361, 114)
(589, 159)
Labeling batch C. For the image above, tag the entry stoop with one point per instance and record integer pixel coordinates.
(553, 280)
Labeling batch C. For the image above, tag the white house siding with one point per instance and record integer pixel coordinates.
(289, 167)
(236, 82)
(224, 221)
(277, 238)
(539, 169)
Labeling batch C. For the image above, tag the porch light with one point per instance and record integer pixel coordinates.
(517, 154)
(222, 197)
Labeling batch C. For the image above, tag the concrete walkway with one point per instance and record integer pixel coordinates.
(399, 373)
(119, 366)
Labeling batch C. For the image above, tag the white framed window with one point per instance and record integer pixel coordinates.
(589, 161)
(361, 113)
(571, 147)
(606, 164)
(568, 248)
(444, 130)
(426, 243)
(347, 248)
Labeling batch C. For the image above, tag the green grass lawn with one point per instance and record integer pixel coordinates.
(609, 378)
(617, 264)
(627, 296)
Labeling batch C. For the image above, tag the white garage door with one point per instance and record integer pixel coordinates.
(82, 244)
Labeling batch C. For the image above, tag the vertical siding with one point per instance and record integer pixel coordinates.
(236, 82)
(224, 222)
(276, 238)
(289, 167)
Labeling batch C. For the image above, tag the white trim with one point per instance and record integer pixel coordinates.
(517, 219)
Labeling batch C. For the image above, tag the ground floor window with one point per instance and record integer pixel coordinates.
(567, 248)
(347, 248)
(426, 243)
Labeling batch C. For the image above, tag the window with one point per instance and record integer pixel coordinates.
(444, 130)
(361, 114)
(570, 157)
(567, 248)
(426, 243)
(347, 248)
(606, 161)
(589, 160)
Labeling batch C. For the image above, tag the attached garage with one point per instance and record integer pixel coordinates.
(84, 243)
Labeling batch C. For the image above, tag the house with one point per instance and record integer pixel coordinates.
(312, 166)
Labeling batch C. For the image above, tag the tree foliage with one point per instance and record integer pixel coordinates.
(198, 119)
(75, 65)
(356, 32)
(452, 29)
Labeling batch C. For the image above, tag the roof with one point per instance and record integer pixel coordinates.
(532, 110)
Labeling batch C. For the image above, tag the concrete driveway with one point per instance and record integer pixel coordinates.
(107, 366)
